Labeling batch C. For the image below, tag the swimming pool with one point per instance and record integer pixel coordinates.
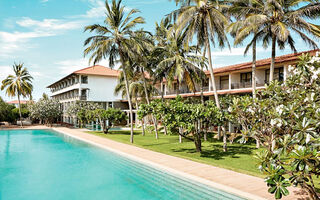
(46, 165)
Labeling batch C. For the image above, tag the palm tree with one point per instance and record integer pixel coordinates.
(179, 64)
(240, 9)
(19, 84)
(206, 20)
(275, 22)
(115, 39)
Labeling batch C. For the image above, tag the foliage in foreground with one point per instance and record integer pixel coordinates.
(107, 118)
(286, 121)
(190, 120)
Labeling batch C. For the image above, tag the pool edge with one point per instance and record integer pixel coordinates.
(218, 186)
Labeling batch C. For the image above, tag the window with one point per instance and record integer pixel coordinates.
(278, 74)
(84, 79)
(224, 82)
(246, 77)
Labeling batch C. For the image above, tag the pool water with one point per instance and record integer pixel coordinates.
(46, 165)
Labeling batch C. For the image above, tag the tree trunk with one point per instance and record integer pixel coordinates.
(254, 58)
(180, 137)
(155, 121)
(219, 132)
(213, 83)
(143, 131)
(129, 102)
(273, 57)
(225, 148)
(201, 89)
(20, 110)
(197, 143)
(162, 100)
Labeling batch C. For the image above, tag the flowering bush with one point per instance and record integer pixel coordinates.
(45, 110)
(285, 119)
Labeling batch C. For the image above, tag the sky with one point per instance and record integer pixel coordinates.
(47, 36)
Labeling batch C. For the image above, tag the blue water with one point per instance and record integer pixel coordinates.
(45, 165)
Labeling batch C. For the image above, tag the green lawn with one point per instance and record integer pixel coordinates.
(238, 158)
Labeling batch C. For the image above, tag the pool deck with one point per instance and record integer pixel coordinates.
(243, 185)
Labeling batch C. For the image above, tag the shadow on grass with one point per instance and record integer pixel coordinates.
(215, 151)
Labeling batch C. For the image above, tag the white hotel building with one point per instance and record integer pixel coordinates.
(94, 84)
(97, 83)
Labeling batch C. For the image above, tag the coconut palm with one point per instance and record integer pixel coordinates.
(19, 84)
(240, 9)
(275, 22)
(179, 64)
(206, 20)
(115, 40)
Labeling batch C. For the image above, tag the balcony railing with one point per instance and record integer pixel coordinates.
(83, 97)
(248, 84)
(224, 86)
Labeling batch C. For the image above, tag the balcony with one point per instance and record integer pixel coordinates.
(83, 97)
(248, 84)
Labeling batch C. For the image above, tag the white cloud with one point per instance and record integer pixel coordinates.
(44, 1)
(5, 71)
(49, 25)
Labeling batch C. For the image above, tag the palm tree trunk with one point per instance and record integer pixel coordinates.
(201, 89)
(20, 110)
(273, 57)
(213, 84)
(155, 122)
(129, 102)
(254, 60)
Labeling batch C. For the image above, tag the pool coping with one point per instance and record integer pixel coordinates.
(215, 185)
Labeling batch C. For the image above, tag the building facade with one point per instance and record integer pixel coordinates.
(236, 79)
(94, 84)
(97, 83)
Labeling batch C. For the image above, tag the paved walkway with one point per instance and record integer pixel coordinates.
(243, 185)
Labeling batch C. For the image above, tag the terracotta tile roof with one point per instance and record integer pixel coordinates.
(98, 70)
(16, 102)
(263, 62)
(93, 70)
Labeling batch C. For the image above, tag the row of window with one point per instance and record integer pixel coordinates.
(247, 77)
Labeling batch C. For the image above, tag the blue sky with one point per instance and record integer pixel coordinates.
(47, 36)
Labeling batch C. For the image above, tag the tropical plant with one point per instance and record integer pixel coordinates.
(6, 112)
(286, 120)
(206, 21)
(241, 9)
(179, 64)
(19, 84)
(115, 39)
(45, 110)
(80, 109)
(108, 118)
(276, 21)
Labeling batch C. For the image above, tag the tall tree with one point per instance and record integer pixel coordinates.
(179, 64)
(241, 9)
(19, 84)
(276, 21)
(205, 20)
(115, 39)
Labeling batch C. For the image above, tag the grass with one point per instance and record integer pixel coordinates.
(238, 158)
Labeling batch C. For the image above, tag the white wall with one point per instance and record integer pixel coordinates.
(260, 75)
(101, 88)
